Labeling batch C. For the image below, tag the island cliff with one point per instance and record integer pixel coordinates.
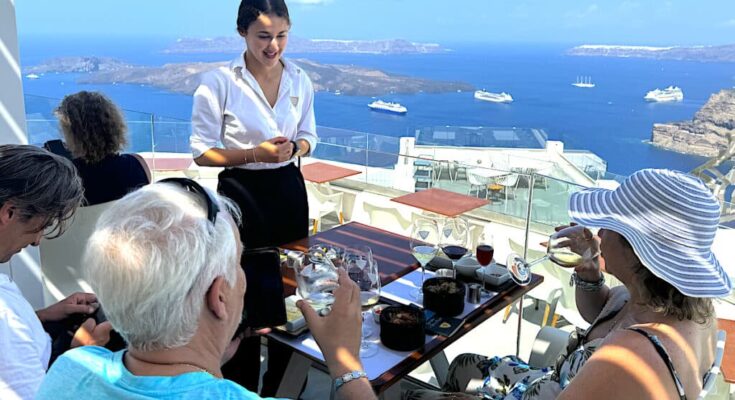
(296, 45)
(707, 134)
(724, 53)
(184, 77)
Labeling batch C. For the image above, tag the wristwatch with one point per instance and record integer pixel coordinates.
(295, 148)
(350, 376)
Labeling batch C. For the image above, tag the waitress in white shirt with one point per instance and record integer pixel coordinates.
(255, 117)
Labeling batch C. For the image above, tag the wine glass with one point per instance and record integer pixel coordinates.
(485, 252)
(558, 250)
(453, 239)
(362, 268)
(424, 239)
(316, 276)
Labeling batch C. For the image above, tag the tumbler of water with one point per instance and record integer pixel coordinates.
(316, 277)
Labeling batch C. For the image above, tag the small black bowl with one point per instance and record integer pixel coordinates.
(444, 296)
(406, 333)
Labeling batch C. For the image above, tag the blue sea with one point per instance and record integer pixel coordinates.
(612, 120)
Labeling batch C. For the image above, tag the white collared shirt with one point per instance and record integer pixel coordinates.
(230, 110)
(25, 348)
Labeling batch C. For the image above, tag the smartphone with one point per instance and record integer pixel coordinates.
(57, 147)
(265, 306)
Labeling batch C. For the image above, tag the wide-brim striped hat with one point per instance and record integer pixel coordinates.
(670, 219)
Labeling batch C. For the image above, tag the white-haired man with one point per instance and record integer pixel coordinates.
(165, 264)
(39, 191)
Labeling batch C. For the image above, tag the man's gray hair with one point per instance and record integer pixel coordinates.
(39, 184)
(152, 258)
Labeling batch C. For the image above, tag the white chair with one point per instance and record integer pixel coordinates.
(322, 204)
(388, 218)
(476, 182)
(549, 344)
(61, 258)
(549, 291)
(713, 378)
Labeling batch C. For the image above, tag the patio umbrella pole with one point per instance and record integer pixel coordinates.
(531, 184)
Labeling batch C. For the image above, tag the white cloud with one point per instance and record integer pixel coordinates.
(584, 13)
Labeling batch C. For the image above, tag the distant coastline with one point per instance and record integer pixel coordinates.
(707, 134)
(234, 44)
(724, 53)
(185, 77)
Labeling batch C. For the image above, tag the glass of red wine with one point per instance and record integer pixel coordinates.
(484, 253)
(453, 240)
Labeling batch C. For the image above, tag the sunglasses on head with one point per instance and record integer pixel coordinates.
(192, 186)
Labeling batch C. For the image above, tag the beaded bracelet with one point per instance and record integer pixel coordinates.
(586, 285)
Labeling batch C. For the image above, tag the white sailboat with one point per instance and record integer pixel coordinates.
(584, 82)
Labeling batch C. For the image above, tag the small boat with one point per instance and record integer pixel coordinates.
(384, 106)
(32, 76)
(493, 97)
(337, 92)
(584, 82)
(671, 93)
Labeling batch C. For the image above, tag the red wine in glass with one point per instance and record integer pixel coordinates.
(454, 252)
(485, 254)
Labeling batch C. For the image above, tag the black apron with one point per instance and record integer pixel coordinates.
(273, 202)
(275, 211)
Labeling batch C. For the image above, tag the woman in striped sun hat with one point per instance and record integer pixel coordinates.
(654, 337)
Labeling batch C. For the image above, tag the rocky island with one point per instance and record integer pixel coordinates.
(234, 45)
(725, 53)
(707, 134)
(184, 77)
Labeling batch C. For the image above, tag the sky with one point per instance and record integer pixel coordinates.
(632, 22)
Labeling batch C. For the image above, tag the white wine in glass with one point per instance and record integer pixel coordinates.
(557, 250)
(424, 237)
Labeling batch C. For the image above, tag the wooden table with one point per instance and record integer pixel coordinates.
(321, 172)
(441, 201)
(395, 260)
(728, 359)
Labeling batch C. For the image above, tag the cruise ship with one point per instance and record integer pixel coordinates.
(671, 93)
(384, 106)
(584, 82)
(493, 97)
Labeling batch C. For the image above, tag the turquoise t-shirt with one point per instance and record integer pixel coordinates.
(92, 372)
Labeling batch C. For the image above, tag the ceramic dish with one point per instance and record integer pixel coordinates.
(466, 266)
(494, 274)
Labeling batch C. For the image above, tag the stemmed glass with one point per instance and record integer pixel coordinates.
(453, 239)
(362, 268)
(558, 251)
(484, 253)
(424, 240)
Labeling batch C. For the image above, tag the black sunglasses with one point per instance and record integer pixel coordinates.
(193, 187)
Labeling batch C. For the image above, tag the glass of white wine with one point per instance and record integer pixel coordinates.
(558, 250)
(424, 247)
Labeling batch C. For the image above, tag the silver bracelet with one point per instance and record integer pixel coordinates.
(348, 377)
(586, 285)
